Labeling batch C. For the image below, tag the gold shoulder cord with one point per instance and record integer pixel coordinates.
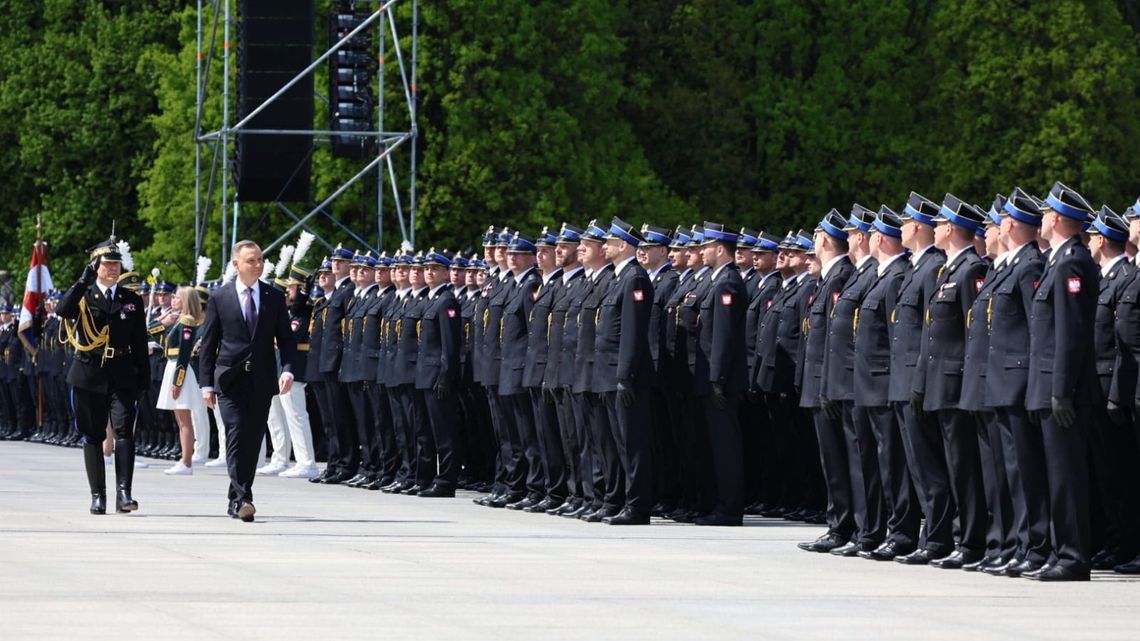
(855, 324)
(97, 339)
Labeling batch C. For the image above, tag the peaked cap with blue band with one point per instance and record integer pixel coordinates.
(1110, 225)
(832, 224)
(1068, 203)
(888, 223)
(920, 209)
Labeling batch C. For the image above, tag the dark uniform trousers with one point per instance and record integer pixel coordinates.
(700, 487)
(401, 402)
(1023, 454)
(363, 417)
(437, 442)
(548, 440)
(389, 451)
(900, 497)
(569, 417)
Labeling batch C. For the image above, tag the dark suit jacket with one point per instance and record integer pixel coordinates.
(355, 364)
(622, 342)
(665, 282)
(569, 305)
(129, 370)
(761, 292)
(1104, 332)
(873, 336)
(673, 369)
(778, 341)
(1122, 389)
(1011, 300)
(584, 357)
(538, 335)
(439, 331)
(974, 385)
(721, 334)
(839, 357)
(944, 336)
(907, 322)
(1062, 354)
(228, 350)
(332, 347)
(513, 332)
(407, 345)
(490, 359)
(316, 339)
(815, 336)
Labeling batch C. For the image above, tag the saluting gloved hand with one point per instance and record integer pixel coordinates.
(90, 272)
(1063, 411)
(625, 393)
(1117, 414)
(916, 399)
(719, 400)
(442, 389)
(831, 409)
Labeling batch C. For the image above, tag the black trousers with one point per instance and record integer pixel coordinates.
(594, 415)
(1001, 537)
(480, 449)
(757, 451)
(723, 438)
(568, 452)
(1023, 450)
(633, 437)
(905, 512)
(549, 441)
(926, 459)
(7, 405)
(1116, 468)
(575, 441)
(833, 456)
(402, 403)
(507, 474)
(437, 459)
(383, 428)
(365, 422)
(340, 432)
(1066, 463)
(665, 409)
(960, 437)
(604, 448)
(866, 484)
(519, 432)
(92, 411)
(246, 418)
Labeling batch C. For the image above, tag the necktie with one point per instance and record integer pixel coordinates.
(250, 311)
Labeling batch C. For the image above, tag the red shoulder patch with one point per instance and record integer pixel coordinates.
(1074, 285)
(978, 283)
(638, 295)
(834, 297)
(451, 312)
(726, 299)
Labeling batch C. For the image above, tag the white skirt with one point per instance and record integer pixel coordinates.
(190, 395)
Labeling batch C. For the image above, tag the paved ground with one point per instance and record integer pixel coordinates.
(335, 563)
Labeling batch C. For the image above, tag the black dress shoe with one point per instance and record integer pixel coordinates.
(1033, 574)
(598, 515)
(559, 510)
(661, 509)
(886, 552)
(719, 519)
(918, 557)
(998, 569)
(413, 490)
(545, 504)
(502, 500)
(582, 510)
(1109, 560)
(825, 543)
(815, 518)
(522, 503)
(337, 478)
(1022, 568)
(1132, 567)
(98, 503)
(375, 484)
(246, 511)
(482, 500)
(124, 503)
(851, 549)
(356, 480)
(983, 562)
(627, 517)
(438, 491)
(392, 487)
(1059, 573)
(685, 516)
(956, 560)
(232, 510)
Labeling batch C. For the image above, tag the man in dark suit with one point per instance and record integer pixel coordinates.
(238, 358)
(110, 371)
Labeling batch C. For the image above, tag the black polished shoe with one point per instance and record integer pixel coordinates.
(956, 560)
(1132, 567)
(356, 480)
(413, 490)
(814, 518)
(337, 479)
(375, 484)
(919, 557)
(1058, 573)
(548, 503)
(123, 501)
(232, 510)
(391, 488)
(886, 552)
(986, 561)
(825, 543)
(1022, 568)
(582, 510)
(482, 500)
(522, 503)
(627, 517)
(851, 549)
(661, 509)
(502, 500)
(719, 519)
(438, 491)
(568, 506)
(1000, 568)
(1033, 574)
(1109, 561)
(597, 515)
(246, 511)
(98, 503)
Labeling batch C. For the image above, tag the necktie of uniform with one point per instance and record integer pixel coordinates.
(250, 311)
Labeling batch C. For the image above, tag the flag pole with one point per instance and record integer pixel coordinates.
(39, 288)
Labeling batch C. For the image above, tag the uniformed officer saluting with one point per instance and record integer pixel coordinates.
(107, 327)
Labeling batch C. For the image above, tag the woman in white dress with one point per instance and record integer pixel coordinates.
(179, 390)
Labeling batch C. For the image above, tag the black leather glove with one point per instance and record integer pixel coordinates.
(1117, 414)
(916, 399)
(625, 393)
(831, 409)
(719, 400)
(90, 272)
(442, 390)
(1063, 411)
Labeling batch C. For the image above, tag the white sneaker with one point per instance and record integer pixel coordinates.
(108, 460)
(198, 460)
(271, 469)
(301, 472)
(218, 462)
(178, 469)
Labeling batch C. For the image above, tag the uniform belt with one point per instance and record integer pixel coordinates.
(103, 355)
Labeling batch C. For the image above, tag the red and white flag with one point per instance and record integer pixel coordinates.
(37, 284)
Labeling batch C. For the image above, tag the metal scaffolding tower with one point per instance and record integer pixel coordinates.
(213, 165)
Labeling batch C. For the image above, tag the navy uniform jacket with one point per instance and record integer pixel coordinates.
(690, 324)
(723, 312)
(820, 304)
(1104, 333)
(973, 396)
(513, 329)
(491, 348)
(372, 325)
(353, 360)
(873, 336)
(585, 355)
(805, 296)
(1007, 362)
(1062, 356)
(944, 334)
(317, 318)
(180, 340)
(479, 317)
(761, 293)
(332, 341)
(407, 345)
(390, 338)
(7, 372)
(556, 326)
(467, 301)
(129, 370)
(750, 277)
(439, 340)
(299, 314)
(665, 282)
(621, 342)
(839, 359)
(907, 322)
(774, 368)
(1122, 389)
(673, 370)
(569, 305)
(538, 330)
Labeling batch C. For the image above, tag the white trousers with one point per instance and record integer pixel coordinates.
(201, 421)
(289, 428)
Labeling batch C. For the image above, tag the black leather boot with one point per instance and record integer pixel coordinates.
(124, 475)
(96, 476)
